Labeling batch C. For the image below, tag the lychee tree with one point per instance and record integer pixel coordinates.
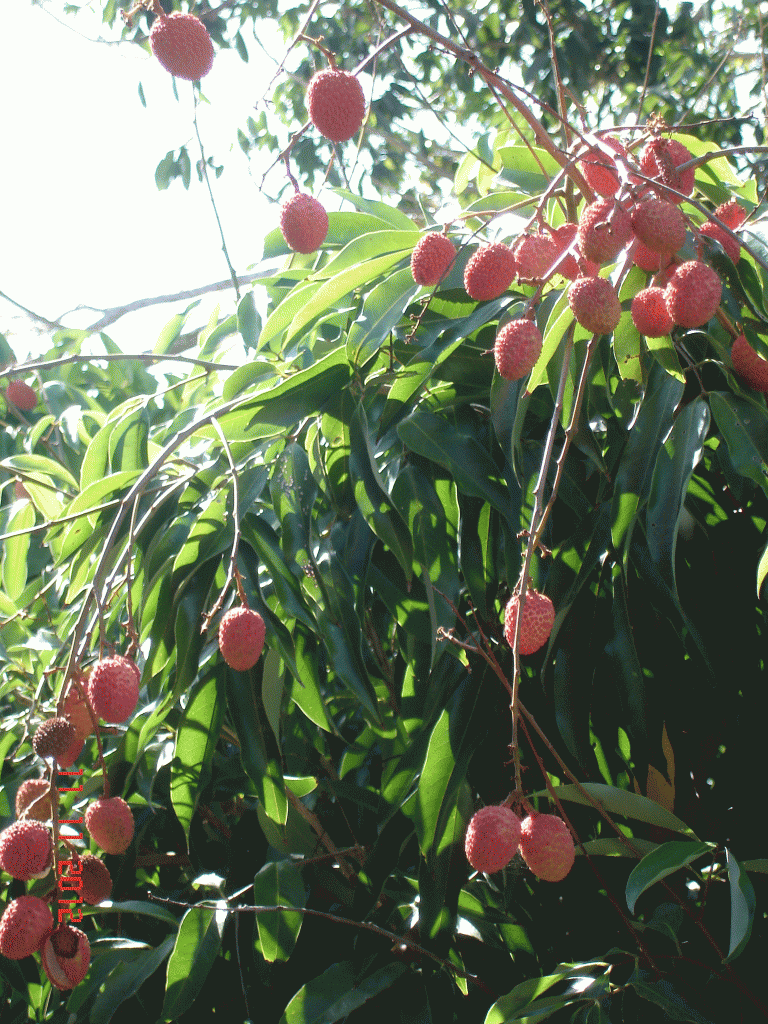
(388, 678)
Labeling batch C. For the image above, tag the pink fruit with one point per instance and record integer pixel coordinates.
(538, 619)
(547, 846)
(693, 294)
(732, 248)
(76, 709)
(750, 366)
(182, 45)
(241, 638)
(303, 222)
(659, 225)
(21, 395)
(113, 688)
(336, 104)
(732, 214)
(54, 737)
(594, 304)
(660, 160)
(649, 313)
(66, 957)
(492, 838)
(489, 272)
(599, 169)
(432, 258)
(26, 924)
(518, 346)
(534, 255)
(605, 228)
(27, 794)
(110, 823)
(26, 850)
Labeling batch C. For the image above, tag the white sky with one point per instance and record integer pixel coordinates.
(81, 219)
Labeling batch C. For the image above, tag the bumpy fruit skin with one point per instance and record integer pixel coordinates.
(574, 265)
(303, 222)
(518, 346)
(489, 272)
(21, 395)
(605, 228)
(241, 638)
(659, 225)
(599, 169)
(732, 214)
(594, 304)
(76, 709)
(492, 838)
(182, 45)
(660, 159)
(715, 232)
(26, 795)
(538, 618)
(534, 255)
(97, 881)
(26, 850)
(547, 846)
(53, 738)
(26, 924)
(66, 957)
(336, 104)
(750, 366)
(432, 258)
(693, 294)
(110, 823)
(113, 688)
(649, 313)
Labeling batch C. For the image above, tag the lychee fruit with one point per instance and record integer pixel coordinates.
(113, 688)
(303, 222)
(648, 260)
(693, 294)
(241, 638)
(182, 45)
(605, 228)
(574, 265)
(599, 169)
(715, 232)
(25, 925)
(659, 225)
(66, 956)
(534, 255)
(26, 850)
(732, 214)
(21, 395)
(336, 104)
(492, 838)
(432, 258)
(110, 822)
(489, 272)
(660, 159)
(76, 709)
(547, 846)
(518, 346)
(97, 881)
(649, 313)
(27, 794)
(595, 304)
(538, 618)
(54, 737)
(750, 366)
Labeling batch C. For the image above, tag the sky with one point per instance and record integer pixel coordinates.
(82, 221)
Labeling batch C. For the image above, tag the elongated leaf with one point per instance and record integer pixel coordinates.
(125, 980)
(745, 429)
(278, 884)
(516, 1004)
(665, 860)
(743, 905)
(620, 801)
(382, 310)
(197, 946)
(196, 741)
(336, 993)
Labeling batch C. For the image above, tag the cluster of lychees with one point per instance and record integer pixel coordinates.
(109, 691)
(496, 833)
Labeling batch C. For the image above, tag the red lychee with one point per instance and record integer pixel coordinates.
(649, 313)
(518, 346)
(66, 957)
(660, 159)
(534, 255)
(750, 366)
(605, 228)
(595, 304)
(599, 169)
(646, 259)
(659, 225)
(547, 846)
(732, 214)
(538, 618)
(21, 395)
(303, 222)
(492, 838)
(90, 878)
(336, 104)
(489, 272)
(26, 924)
(110, 822)
(113, 688)
(182, 45)
(76, 709)
(693, 294)
(432, 258)
(26, 850)
(54, 737)
(714, 231)
(27, 794)
(241, 638)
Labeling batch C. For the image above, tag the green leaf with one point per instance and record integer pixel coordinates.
(744, 426)
(16, 549)
(125, 980)
(382, 310)
(665, 860)
(278, 884)
(196, 741)
(337, 992)
(197, 946)
(743, 905)
(519, 1003)
(620, 801)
